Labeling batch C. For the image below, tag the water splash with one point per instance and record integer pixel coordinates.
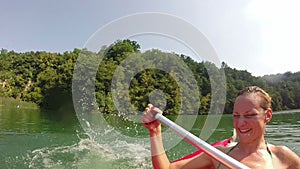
(88, 153)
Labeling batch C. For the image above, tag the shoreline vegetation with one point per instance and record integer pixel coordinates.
(45, 79)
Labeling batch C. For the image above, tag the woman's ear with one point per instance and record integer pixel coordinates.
(268, 115)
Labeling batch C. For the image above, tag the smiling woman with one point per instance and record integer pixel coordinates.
(252, 112)
(252, 109)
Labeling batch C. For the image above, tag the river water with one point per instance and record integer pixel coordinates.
(33, 138)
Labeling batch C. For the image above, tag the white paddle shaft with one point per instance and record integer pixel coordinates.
(197, 142)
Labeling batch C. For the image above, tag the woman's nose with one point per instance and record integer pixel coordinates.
(241, 120)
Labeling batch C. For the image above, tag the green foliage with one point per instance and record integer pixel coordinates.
(121, 49)
(126, 74)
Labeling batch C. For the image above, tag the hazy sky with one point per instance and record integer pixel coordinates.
(260, 36)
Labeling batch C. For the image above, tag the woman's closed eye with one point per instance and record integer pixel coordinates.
(245, 116)
(236, 115)
(250, 115)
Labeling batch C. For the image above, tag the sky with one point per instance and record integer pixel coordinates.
(260, 36)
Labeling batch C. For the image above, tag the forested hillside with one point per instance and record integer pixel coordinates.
(46, 79)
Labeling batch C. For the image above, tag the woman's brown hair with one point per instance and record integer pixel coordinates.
(266, 99)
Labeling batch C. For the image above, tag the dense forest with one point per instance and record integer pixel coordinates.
(46, 78)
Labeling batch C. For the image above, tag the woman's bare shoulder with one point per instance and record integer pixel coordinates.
(285, 154)
(281, 150)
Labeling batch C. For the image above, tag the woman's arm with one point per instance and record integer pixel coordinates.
(159, 157)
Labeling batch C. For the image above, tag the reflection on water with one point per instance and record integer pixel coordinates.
(284, 129)
(30, 138)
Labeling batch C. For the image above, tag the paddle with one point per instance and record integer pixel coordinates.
(197, 142)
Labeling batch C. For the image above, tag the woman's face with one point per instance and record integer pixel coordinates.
(249, 118)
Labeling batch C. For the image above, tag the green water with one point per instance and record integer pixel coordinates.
(32, 138)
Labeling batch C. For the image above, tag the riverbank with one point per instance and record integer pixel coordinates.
(11, 102)
(286, 111)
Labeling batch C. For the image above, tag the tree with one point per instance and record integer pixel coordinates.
(121, 49)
